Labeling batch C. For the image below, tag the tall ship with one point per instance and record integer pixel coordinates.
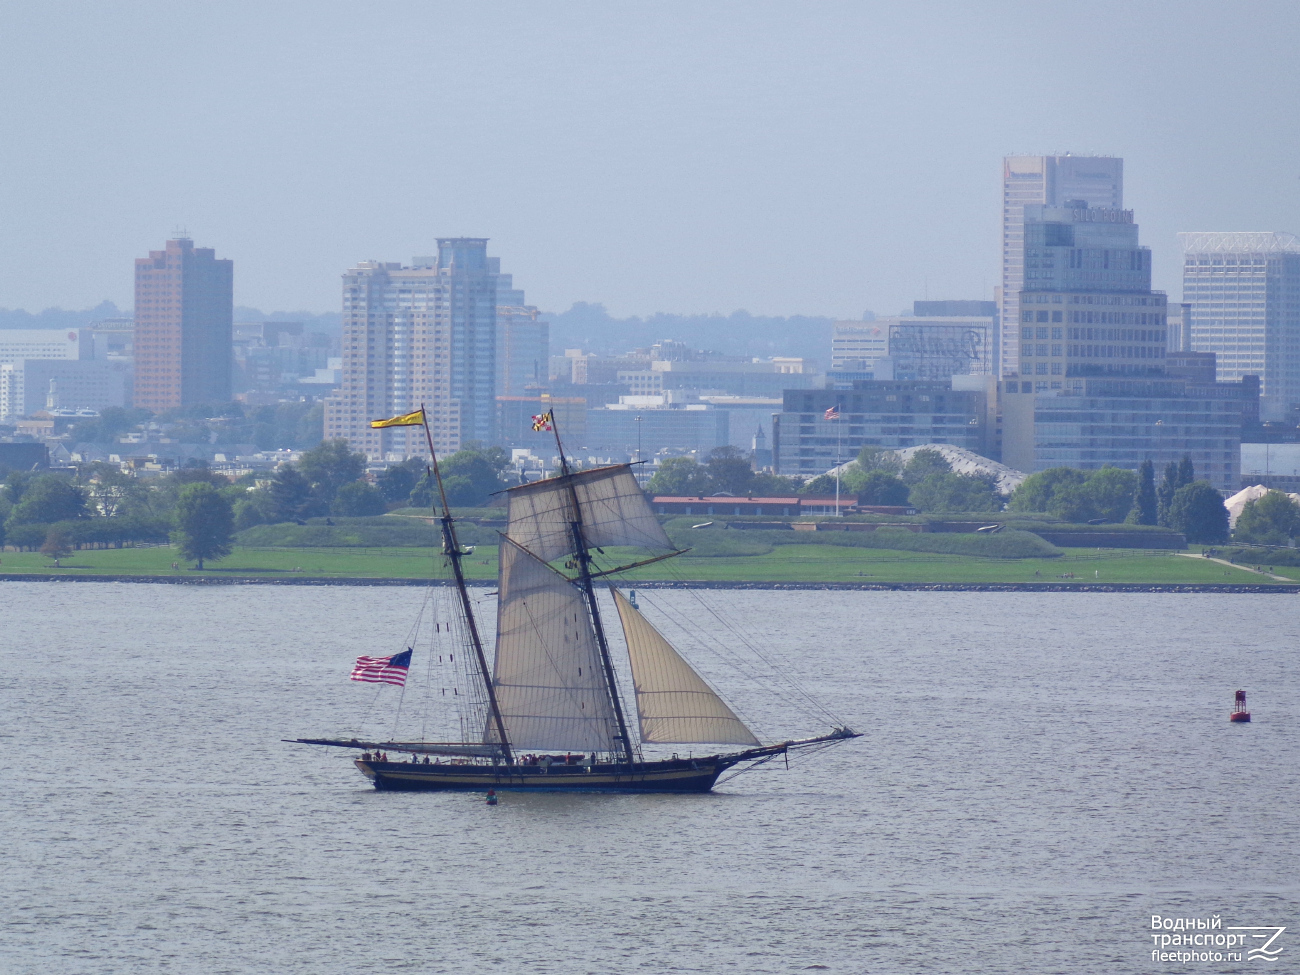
(551, 715)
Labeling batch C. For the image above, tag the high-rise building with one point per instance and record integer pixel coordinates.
(1244, 294)
(1046, 181)
(423, 335)
(1086, 308)
(184, 308)
(523, 340)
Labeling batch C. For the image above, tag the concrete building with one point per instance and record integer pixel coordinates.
(1244, 293)
(644, 425)
(1124, 421)
(45, 343)
(923, 346)
(880, 413)
(184, 304)
(424, 334)
(523, 339)
(1087, 308)
(30, 385)
(1045, 181)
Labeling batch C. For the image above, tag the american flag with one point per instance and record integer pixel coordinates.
(383, 670)
(832, 414)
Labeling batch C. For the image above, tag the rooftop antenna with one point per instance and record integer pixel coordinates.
(180, 233)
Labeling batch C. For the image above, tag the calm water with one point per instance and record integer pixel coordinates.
(1041, 773)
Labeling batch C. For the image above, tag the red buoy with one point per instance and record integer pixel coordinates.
(1239, 712)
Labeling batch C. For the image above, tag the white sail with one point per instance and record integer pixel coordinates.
(614, 512)
(549, 683)
(674, 703)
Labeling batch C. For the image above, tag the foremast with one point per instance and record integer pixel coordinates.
(451, 547)
(585, 577)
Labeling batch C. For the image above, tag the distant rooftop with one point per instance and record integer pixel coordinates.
(1242, 242)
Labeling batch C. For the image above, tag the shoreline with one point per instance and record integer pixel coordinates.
(1054, 587)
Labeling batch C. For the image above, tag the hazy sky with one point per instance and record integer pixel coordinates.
(816, 158)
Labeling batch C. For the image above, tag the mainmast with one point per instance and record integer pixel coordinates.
(589, 591)
(452, 547)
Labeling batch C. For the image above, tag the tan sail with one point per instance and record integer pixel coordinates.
(674, 703)
(614, 512)
(547, 675)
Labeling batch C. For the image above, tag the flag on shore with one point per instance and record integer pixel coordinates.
(832, 414)
(383, 670)
(415, 419)
(542, 421)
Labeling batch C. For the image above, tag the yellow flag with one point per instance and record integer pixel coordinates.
(415, 419)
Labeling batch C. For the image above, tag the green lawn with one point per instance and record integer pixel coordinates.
(786, 563)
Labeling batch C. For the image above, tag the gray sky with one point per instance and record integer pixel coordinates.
(816, 158)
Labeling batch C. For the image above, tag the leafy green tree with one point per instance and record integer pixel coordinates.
(729, 470)
(358, 500)
(922, 464)
(205, 523)
(1197, 510)
(1037, 491)
(473, 474)
(949, 492)
(57, 545)
(396, 481)
(1145, 510)
(48, 498)
(1177, 475)
(1072, 502)
(881, 487)
(821, 486)
(773, 486)
(1270, 520)
(329, 466)
(248, 513)
(16, 484)
(289, 497)
(1111, 491)
(112, 422)
(680, 477)
(872, 458)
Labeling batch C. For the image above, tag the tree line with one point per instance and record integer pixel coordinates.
(199, 510)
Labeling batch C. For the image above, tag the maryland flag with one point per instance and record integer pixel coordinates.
(415, 419)
(542, 421)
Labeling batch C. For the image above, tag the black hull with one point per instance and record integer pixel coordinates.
(678, 776)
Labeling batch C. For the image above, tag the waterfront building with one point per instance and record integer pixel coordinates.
(1087, 308)
(926, 345)
(1244, 293)
(45, 343)
(879, 413)
(184, 304)
(649, 424)
(1123, 421)
(418, 335)
(523, 345)
(30, 385)
(1098, 181)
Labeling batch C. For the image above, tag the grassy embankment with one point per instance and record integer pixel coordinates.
(403, 548)
(784, 563)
